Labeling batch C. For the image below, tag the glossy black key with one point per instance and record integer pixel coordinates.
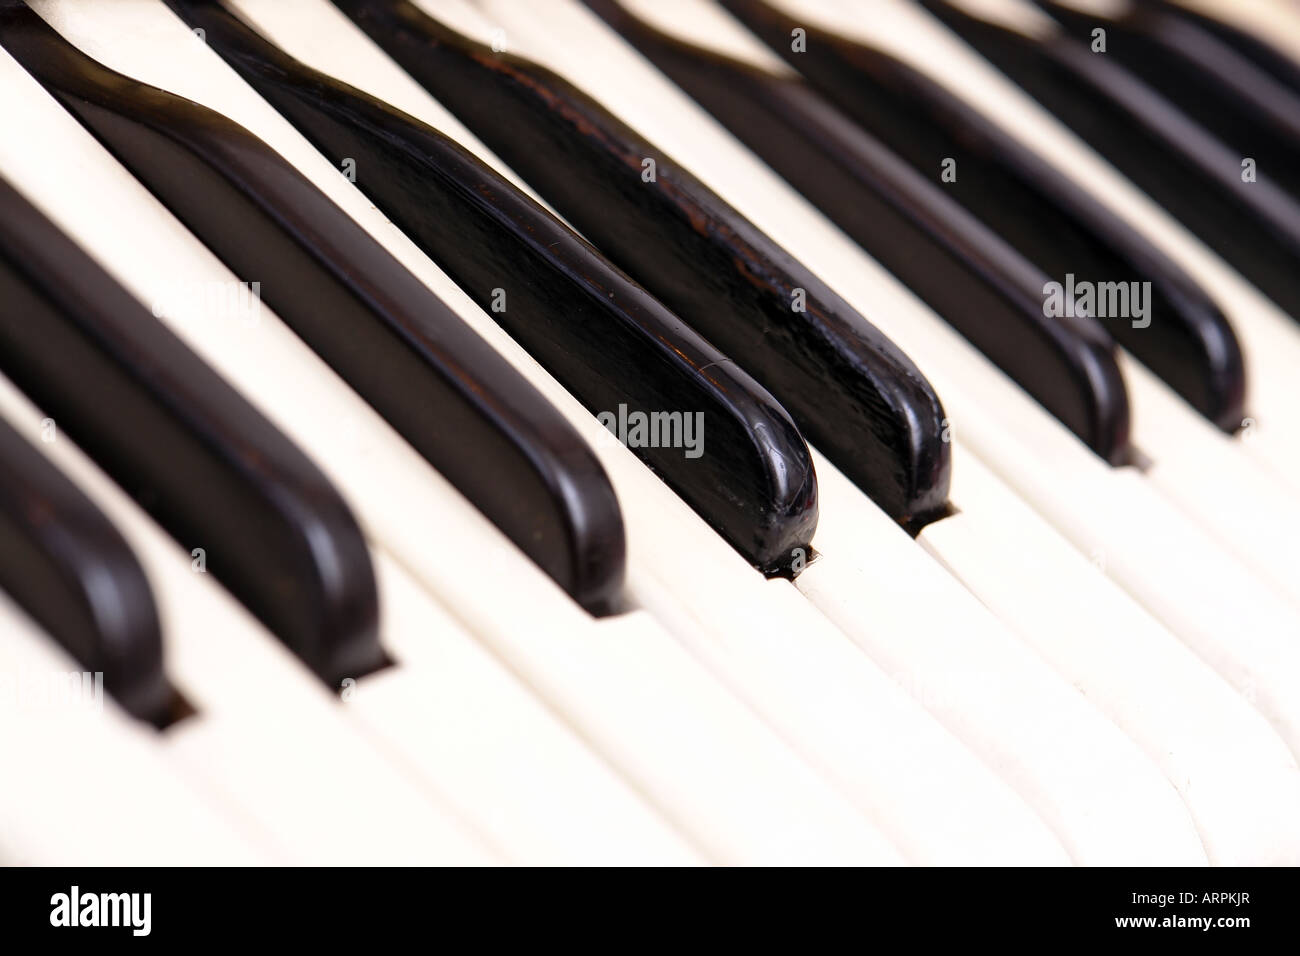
(1207, 79)
(980, 285)
(185, 446)
(1041, 212)
(65, 564)
(1252, 222)
(455, 399)
(603, 336)
(851, 392)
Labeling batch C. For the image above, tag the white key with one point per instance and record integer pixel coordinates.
(267, 735)
(86, 786)
(1105, 800)
(632, 693)
(1213, 480)
(456, 717)
(1234, 772)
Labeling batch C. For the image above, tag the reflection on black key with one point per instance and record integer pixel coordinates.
(64, 563)
(852, 393)
(990, 293)
(745, 469)
(211, 470)
(1238, 211)
(1044, 215)
(455, 399)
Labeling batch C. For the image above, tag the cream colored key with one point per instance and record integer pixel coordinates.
(466, 727)
(86, 785)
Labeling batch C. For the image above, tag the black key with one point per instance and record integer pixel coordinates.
(605, 338)
(851, 392)
(1257, 50)
(65, 564)
(1207, 79)
(185, 446)
(1254, 225)
(1041, 212)
(456, 400)
(969, 275)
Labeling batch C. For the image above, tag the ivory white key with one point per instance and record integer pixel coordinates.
(758, 636)
(632, 693)
(267, 734)
(89, 787)
(1249, 510)
(452, 714)
(991, 690)
(1236, 775)
(1220, 754)
(1205, 596)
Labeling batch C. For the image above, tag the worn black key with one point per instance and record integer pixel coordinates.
(851, 392)
(455, 399)
(65, 564)
(1250, 221)
(747, 472)
(185, 445)
(1042, 213)
(969, 275)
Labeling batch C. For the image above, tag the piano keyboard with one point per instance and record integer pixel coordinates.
(641, 446)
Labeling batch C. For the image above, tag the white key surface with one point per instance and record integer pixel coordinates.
(87, 786)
